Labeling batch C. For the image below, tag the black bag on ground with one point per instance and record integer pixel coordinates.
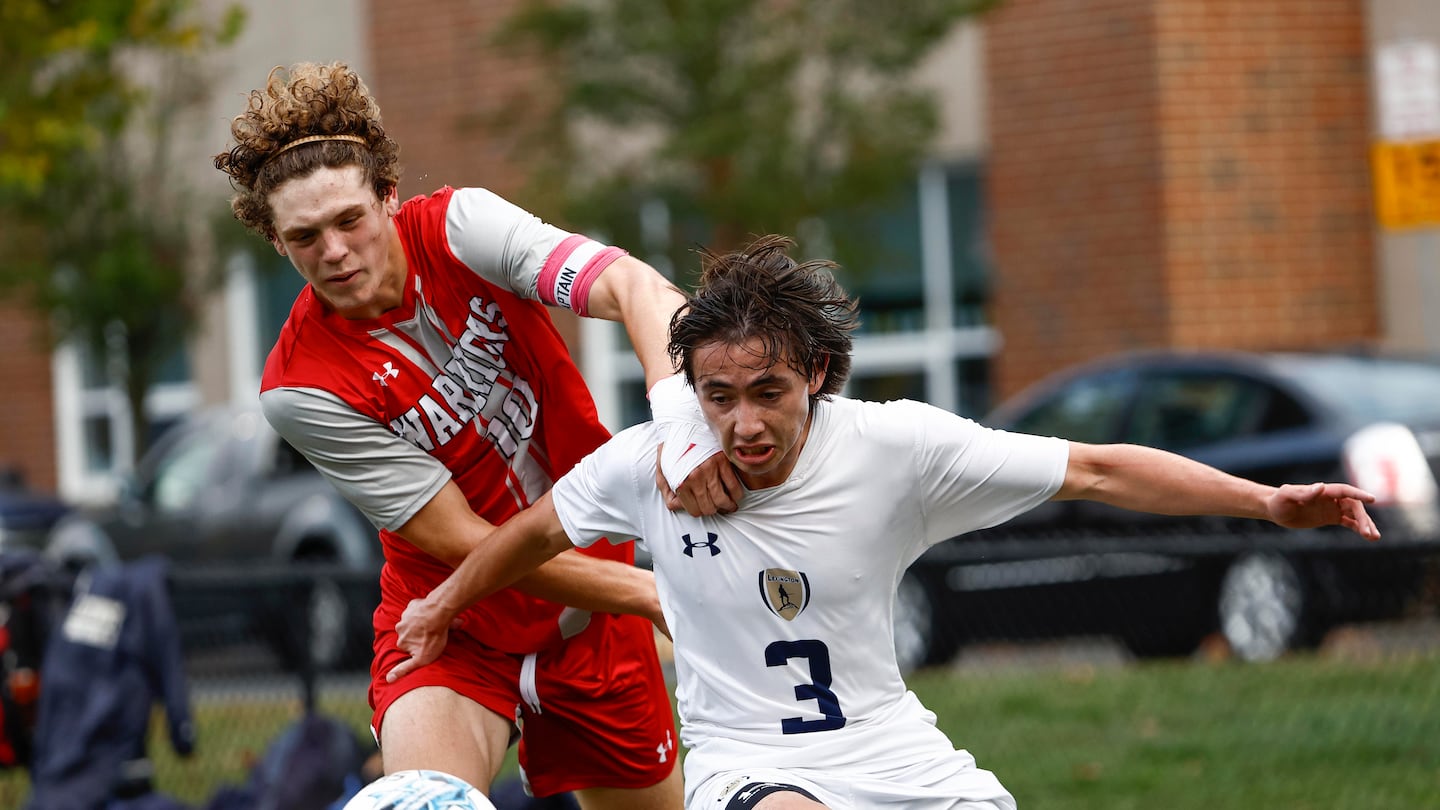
(312, 764)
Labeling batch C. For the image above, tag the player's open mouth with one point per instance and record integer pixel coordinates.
(754, 455)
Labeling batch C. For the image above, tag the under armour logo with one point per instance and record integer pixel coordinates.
(390, 371)
(664, 749)
(708, 544)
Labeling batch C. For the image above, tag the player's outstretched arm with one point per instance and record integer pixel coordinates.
(509, 553)
(1148, 480)
(596, 585)
(446, 529)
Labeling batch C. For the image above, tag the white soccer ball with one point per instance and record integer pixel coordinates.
(419, 790)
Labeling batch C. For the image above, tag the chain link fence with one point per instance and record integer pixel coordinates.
(991, 633)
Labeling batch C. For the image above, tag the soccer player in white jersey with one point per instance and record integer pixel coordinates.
(789, 695)
(419, 372)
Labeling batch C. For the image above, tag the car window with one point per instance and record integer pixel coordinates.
(182, 474)
(1087, 410)
(1182, 411)
(1372, 388)
(1282, 412)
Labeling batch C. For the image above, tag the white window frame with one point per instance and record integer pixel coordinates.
(75, 403)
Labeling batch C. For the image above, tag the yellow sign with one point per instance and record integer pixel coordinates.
(1407, 183)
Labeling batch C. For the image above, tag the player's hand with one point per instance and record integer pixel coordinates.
(423, 630)
(1306, 506)
(712, 488)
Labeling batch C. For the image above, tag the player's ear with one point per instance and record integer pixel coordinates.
(279, 246)
(817, 380)
(391, 201)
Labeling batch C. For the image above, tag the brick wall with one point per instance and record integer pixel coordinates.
(442, 83)
(1170, 172)
(27, 434)
(1266, 157)
(441, 80)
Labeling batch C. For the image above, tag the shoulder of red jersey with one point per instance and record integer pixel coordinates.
(421, 222)
(308, 354)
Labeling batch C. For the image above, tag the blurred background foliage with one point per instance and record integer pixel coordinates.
(92, 220)
(728, 118)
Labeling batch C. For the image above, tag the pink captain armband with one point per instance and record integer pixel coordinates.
(570, 270)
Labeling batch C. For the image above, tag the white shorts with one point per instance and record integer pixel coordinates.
(950, 782)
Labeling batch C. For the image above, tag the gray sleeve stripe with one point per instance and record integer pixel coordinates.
(387, 478)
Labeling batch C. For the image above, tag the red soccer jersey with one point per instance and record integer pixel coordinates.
(466, 371)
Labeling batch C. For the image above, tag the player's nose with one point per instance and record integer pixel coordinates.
(748, 424)
(334, 247)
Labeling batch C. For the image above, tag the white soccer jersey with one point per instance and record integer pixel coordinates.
(782, 611)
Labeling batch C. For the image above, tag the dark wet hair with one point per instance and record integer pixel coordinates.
(798, 311)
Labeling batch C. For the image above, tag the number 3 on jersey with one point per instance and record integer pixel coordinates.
(818, 690)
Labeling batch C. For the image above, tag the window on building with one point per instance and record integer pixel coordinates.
(97, 443)
(922, 277)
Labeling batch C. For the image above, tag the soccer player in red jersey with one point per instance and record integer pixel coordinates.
(420, 372)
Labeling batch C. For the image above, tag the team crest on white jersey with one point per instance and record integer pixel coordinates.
(785, 592)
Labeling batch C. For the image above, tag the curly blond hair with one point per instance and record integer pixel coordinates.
(305, 101)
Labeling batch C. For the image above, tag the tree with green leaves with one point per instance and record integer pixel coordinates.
(96, 228)
(740, 116)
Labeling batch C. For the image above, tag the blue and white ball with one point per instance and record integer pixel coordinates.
(419, 790)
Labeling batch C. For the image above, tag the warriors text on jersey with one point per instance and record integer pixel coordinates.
(468, 379)
(782, 611)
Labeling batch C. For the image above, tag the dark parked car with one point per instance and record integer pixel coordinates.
(26, 516)
(1162, 584)
(262, 546)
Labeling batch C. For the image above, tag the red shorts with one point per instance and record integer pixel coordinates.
(594, 709)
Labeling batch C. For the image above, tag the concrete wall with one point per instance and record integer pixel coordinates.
(1409, 260)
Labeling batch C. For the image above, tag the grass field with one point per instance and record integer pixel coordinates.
(1302, 734)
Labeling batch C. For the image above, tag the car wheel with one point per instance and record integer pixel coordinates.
(1263, 606)
(313, 627)
(328, 616)
(917, 641)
